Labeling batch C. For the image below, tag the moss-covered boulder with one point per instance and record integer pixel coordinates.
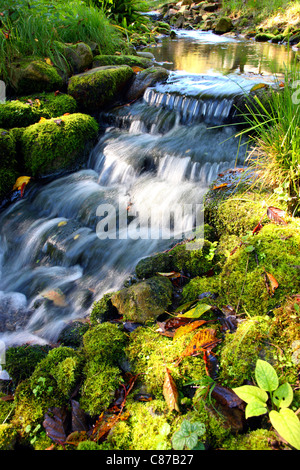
(8, 162)
(104, 343)
(144, 300)
(224, 25)
(31, 76)
(145, 79)
(131, 60)
(100, 87)
(103, 310)
(264, 37)
(28, 110)
(56, 145)
(79, 56)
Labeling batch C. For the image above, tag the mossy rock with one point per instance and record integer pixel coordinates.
(55, 145)
(100, 87)
(264, 37)
(131, 60)
(79, 56)
(224, 25)
(260, 439)
(32, 76)
(28, 110)
(7, 180)
(146, 78)
(72, 334)
(149, 353)
(101, 380)
(7, 150)
(145, 300)
(103, 310)
(22, 360)
(8, 437)
(104, 343)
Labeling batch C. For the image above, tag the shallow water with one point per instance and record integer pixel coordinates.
(69, 241)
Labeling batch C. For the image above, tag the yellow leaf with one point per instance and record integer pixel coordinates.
(62, 223)
(20, 181)
(42, 119)
(259, 86)
(200, 340)
(185, 329)
(76, 236)
(48, 61)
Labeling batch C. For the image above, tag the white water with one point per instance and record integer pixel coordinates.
(160, 155)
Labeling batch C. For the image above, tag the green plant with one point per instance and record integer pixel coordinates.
(38, 390)
(187, 437)
(282, 418)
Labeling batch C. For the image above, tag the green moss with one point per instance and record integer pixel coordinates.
(8, 437)
(260, 439)
(145, 300)
(152, 425)
(104, 343)
(263, 37)
(58, 144)
(101, 380)
(131, 60)
(102, 310)
(88, 445)
(6, 409)
(7, 150)
(201, 285)
(150, 266)
(31, 75)
(22, 360)
(240, 351)
(7, 180)
(100, 87)
(149, 353)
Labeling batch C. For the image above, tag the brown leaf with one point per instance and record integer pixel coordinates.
(56, 423)
(78, 417)
(170, 391)
(56, 296)
(276, 215)
(200, 341)
(272, 283)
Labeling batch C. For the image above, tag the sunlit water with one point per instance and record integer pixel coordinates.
(159, 154)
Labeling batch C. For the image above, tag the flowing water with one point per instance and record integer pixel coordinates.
(71, 240)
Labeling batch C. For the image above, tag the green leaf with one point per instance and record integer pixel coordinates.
(196, 312)
(287, 425)
(198, 428)
(178, 440)
(249, 393)
(266, 376)
(255, 408)
(283, 396)
(192, 441)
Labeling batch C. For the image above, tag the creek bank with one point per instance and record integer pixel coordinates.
(94, 358)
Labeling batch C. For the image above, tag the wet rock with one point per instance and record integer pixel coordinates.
(145, 79)
(210, 7)
(144, 300)
(130, 60)
(13, 311)
(79, 56)
(100, 87)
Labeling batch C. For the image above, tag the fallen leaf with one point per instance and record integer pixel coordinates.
(273, 284)
(170, 391)
(62, 223)
(220, 186)
(259, 86)
(276, 215)
(55, 424)
(196, 312)
(56, 296)
(20, 181)
(58, 121)
(201, 339)
(136, 69)
(183, 330)
(48, 61)
(42, 119)
(257, 228)
(171, 275)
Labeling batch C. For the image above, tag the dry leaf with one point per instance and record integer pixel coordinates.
(201, 339)
(170, 391)
(220, 186)
(20, 181)
(272, 283)
(276, 215)
(42, 119)
(56, 296)
(171, 275)
(62, 223)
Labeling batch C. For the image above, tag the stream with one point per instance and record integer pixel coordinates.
(68, 242)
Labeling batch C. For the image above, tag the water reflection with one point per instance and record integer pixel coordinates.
(204, 52)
